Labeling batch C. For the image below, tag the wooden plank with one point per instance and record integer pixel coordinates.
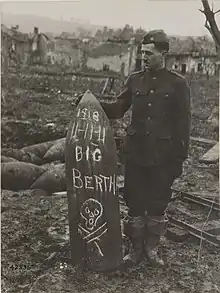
(91, 168)
(212, 156)
(195, 232)
(112, 82)
(175, 233)
(71, 73)
(212, 227)
(94, 74)
(112, 97)
(98, 95)
(105, 86)
(190, 197)
(203, 140)
(207, 194)
(59, 194)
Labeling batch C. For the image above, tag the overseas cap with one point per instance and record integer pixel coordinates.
(155, 37)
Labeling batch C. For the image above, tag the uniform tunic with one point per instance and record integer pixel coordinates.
(157, 137)
(160, 123)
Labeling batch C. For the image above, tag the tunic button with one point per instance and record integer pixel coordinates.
(149, 104)
(151, 91)
(148, 118)
(166, 95)
(148, 132)
(154, 77)
(137, 93)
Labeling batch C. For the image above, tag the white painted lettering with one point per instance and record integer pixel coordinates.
(96, 116)
(95, 144)
(98, 181)
(75, 136)
(77, 178)
(101, 134)
(87, 153)
(83, 130)
(85, 113)
(88, 182)
(95, 182)
(79, 153)
(71, 134)
(112, 184)
(97, 155)
(105, 181)
(91, 132)
(87, 126)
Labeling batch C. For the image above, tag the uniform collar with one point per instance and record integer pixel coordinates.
(154, 73)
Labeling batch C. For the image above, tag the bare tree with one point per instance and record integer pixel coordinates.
(212, 27)
(210, 23)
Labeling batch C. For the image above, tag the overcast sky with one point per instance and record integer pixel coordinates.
(176, 17)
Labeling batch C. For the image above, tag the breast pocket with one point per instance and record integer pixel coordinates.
(165, 95)
(164, 101)
(137, 94)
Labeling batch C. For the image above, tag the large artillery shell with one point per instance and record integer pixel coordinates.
(19, 175)
(52, 180)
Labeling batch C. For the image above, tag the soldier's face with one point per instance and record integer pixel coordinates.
(151, 58)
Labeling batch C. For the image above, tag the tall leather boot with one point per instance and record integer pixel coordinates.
(155, 228)
(135, 230)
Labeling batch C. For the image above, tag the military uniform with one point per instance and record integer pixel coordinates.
(160, 125)
(156, 145)
(157, 139)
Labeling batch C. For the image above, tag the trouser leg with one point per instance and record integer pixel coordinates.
(155, 228)
(135, 230)
(134, 189)
(156, 220)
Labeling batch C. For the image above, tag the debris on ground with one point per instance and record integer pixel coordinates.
(35, 249)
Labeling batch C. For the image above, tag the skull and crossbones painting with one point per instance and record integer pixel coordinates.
(91, 227)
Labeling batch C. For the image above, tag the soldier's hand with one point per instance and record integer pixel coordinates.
(78, 98)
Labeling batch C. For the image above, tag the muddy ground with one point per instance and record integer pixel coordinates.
(35, 249)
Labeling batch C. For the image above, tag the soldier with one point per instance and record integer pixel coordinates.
(156, 144)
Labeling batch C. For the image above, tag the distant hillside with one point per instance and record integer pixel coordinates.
(45, 24)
